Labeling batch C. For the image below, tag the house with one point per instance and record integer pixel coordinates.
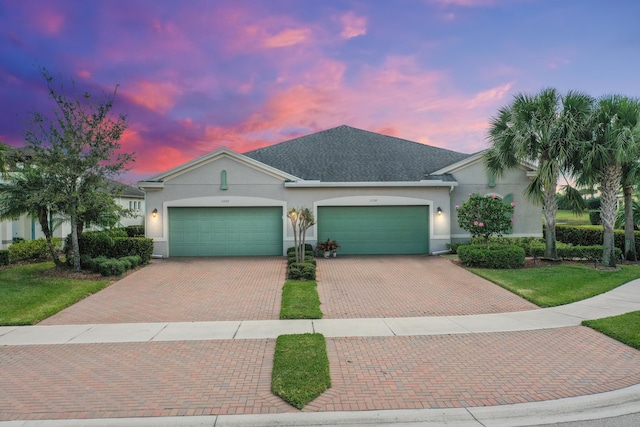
(373, 193)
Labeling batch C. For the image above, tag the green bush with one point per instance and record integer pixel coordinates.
(134, 260)
(594, 217)
(307, 248)
(591, 235)
(4, 257)
(302, 271)
(112, 267)
(308, 259)
(103, 243)
(523, 242)
(568, 252)
(30, 250)
(593, 203)
(496, 256)
(134, 230)
(133, 246)
(453, 247)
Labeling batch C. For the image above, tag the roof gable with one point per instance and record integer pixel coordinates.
(346, 154)
(159, 180)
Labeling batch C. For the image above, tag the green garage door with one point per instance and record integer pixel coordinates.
(376, 229)
(225, 231)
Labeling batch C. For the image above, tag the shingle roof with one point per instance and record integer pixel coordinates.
(346, 154)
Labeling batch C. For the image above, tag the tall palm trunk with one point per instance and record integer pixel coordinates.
(629, 234)
(549, 210)
(609, 205)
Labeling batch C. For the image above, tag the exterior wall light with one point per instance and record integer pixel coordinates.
(155, 213)
(439, 210)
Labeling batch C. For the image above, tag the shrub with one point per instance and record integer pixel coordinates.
(30, 250)
(569, 252)
(302, 271)
(523, 242)
(495, 256)
(308, 259)
(4, 257)
(594, 217)
(593, 203)
(134, 260)
(133, 246)
(590, 235)
(112, 267)
(453, 247)
(134, 230)
(485, 216)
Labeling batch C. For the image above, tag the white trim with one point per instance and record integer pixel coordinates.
(425, 183)
(474, 158)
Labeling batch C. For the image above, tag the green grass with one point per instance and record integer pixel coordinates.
(27, 296)
(300, 368)
(300, 300)
(561, 284)
(624, 328)
(569, 218)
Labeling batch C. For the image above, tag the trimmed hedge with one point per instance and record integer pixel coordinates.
(567, 252)
(496, 256)
(4, 257)
(594, 217)
(590, 235)
(301, 271)
(134, 230)
(111, 244)
(307, 248)
(523, 242)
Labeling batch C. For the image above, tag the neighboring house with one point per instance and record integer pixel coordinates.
(373, 193)
(28, 228)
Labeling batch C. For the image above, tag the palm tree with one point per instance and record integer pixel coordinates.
(630, 175)
(613, 147)
(22, 194)
(3, 160)
(541, 130)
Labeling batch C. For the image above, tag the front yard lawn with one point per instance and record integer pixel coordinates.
(624, 328)
(560, 284)
(28, 295)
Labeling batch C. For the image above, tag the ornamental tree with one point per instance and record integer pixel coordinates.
(485, 216)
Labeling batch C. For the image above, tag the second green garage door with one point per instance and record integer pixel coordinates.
(225, 231)
(376, 229)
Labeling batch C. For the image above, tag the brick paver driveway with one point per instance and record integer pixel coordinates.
(407, 286)
(134, 379)
(186, 290)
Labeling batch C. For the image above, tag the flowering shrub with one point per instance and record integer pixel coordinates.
(485, 216)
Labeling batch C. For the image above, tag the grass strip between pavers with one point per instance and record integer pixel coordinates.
(560, 284)
(300, 300)
(300, 368)
(624, 328)
(28, 296)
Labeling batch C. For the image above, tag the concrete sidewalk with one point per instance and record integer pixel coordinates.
(621, 300)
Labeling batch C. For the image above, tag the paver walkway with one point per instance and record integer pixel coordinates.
(232, 376)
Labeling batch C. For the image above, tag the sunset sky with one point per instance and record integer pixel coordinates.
(195, 76)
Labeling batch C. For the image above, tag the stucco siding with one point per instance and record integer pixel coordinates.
(474, 179)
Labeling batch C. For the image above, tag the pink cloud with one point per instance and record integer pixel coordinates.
(353, 25)
(158, 97)
(46, 19)
(289, 37)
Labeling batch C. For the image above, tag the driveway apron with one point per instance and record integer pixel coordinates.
(186, 290)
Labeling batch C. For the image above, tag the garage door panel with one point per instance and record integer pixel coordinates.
(376, 229)
(225, 231)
